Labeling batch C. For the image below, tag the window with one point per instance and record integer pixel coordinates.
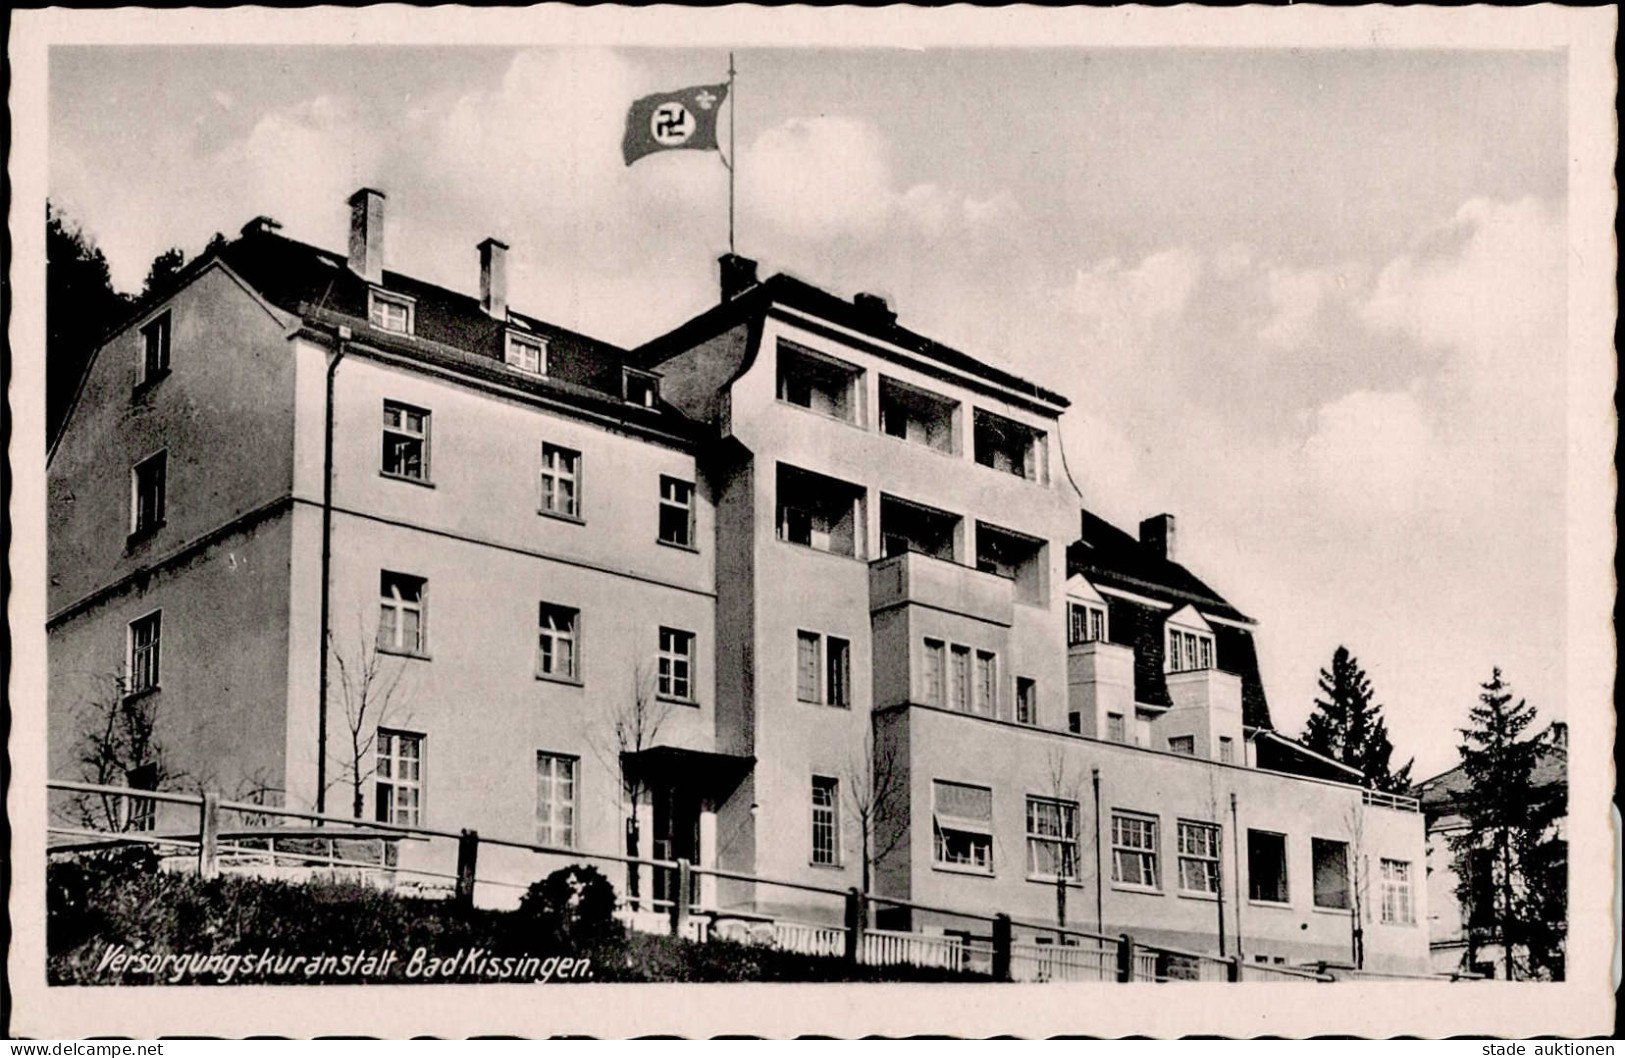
(639, 387)
(959, 678)
(1266, 867)
(154, 350)
(406, 441)
(526, 354)
(1086, 623)
(1481, 888)
(145, 635)
(1134, 850)
(907, 526)
(1052, 838)
(141, 813)
(1396, 893)
(962, 825)
(913, 414)
(389, 312)
(555, 800)
(1074, 723)
(807, 666)
(1026, 700)
(399, 778)
(932, 672)
(826, 821)
(1115, 730)
(1198, 857)
(818, 383)
(676, 673)
(676, 512)
(400, 612)
(838, 672)
(1185, 744)
(1007, 445)
(818, 512)
(1227, 750)
(561, 481)
(1012, 555)
(1188, 651)
(1331, 865)
(987, 683)
(147, 484)
(556, 642)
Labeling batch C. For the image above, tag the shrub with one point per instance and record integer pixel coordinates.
(574, 905)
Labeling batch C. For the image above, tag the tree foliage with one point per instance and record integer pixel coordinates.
(1347, 725)
(1521, 902)
(80, 306)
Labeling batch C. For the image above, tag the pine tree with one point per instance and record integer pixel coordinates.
(1348, 726)
(80, 306)
(1510, 822)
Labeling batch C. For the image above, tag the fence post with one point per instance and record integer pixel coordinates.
(468, 854)
(1232, 968)
(854, 925)
(1125, 958)
(679, 899)
(208, 842)
(1001, 947)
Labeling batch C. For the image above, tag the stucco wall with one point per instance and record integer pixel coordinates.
(1016, 763)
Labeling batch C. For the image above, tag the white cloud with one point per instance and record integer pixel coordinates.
(1118, 302)
(1296, 297)
(1371, 453)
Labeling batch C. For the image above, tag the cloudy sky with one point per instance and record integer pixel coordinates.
(1311, 302)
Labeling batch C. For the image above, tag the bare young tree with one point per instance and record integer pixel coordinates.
(1359, 883)
(118, 745)
(370, 690)
(632, 726)
(1064, 788)
(876, 780)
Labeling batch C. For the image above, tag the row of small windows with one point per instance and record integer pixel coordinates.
(962, 838)
(406, 446)
(1187, 650)
(403, 629)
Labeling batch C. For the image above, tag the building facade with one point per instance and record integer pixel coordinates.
(792, 591)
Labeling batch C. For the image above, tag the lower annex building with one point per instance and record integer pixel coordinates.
(832, 574)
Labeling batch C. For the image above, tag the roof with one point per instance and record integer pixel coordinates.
(1111, 558)
(451, 330)
(1441, 792)
(1294, 746)
(782, 289)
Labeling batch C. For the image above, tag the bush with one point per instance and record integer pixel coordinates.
(574, 905)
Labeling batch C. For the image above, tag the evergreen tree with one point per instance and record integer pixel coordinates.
(1348, 726)
(80, 306)
(163, 272)
(1511, 824)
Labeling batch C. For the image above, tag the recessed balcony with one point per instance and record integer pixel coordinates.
(912, 577)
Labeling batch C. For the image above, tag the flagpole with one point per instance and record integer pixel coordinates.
(731, 155)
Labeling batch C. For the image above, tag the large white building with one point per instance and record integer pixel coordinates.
(842, 565)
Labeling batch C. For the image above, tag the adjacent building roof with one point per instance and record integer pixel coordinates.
(1440, 793)
(869, 320)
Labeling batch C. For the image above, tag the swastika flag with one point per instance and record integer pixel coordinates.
(668, 121)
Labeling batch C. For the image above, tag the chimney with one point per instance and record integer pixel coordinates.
(1157, 533)
(873, 308)
(738, 275)
(260, 225)
(494, 278)
(367, 234)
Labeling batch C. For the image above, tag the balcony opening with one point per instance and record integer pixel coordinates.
(917, 415)
(819, 383)
(819, 512)
(1007, 445)
(906, 526)
(1013, 555)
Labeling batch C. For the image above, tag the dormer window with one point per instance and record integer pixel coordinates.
(640, 387)
(1085, 622)
(390, 312)
(1188, 642)
(526, 354)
